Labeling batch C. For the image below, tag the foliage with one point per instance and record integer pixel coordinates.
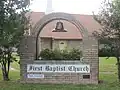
(56, 55)
(109, 19)
(73, 54)
(46, 54)
(12, 25)
(106, 51)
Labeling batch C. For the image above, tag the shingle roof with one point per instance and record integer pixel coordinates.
(72, 32)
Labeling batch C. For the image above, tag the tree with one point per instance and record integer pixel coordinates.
(13, 23)
(109, 18)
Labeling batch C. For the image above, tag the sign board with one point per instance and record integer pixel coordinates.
(35, 75)
(59, 68)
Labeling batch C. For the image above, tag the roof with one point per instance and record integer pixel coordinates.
(72, 32)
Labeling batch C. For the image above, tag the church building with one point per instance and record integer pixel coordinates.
(61, 34)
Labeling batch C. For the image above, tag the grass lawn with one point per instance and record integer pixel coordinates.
(108, 65)
(108, 73)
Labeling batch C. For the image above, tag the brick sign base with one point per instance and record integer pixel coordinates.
(30, 46)
(59, 77)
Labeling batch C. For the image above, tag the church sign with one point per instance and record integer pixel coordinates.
(58, 68)
(33, 70)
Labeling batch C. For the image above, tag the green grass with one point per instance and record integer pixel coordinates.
(108, 65)
(18, 86)
(108, 73)
(15, 65)
(14, 75)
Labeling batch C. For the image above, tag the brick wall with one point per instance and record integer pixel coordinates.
(60, 78)
(45, 43)
(89, 45)
(90, 51)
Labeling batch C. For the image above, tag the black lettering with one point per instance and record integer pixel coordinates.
(84, 69)
(39, 68)
(78, 69)
(48, 68)
(71, 68)
(34, 68)
(30, 68)
(87, 69)
(54, 69)
(64, 68)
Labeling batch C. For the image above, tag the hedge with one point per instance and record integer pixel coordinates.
(48, 54)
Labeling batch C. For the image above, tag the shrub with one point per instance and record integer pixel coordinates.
(73, 54)
(56, 54)
(46, 54)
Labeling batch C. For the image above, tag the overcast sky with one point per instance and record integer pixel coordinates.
(68, 6)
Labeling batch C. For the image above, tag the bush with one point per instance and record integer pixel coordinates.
(46, 54)
(107, 51)
(56, 54)
(73, 54)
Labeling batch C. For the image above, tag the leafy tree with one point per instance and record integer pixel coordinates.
(109, 18)
(12, 25)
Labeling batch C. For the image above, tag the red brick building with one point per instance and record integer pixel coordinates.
(69, 39)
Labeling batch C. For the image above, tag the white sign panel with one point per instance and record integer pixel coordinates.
(35, 75)
(75, 68)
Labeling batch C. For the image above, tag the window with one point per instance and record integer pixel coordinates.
(62, 45)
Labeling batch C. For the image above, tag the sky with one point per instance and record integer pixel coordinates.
(68, 6)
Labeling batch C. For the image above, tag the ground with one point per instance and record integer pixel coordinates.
(108, 77)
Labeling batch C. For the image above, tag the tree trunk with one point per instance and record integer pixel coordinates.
(5, 73)
(9, 57)
(118, 63)
(5, 70)
(6, 57)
